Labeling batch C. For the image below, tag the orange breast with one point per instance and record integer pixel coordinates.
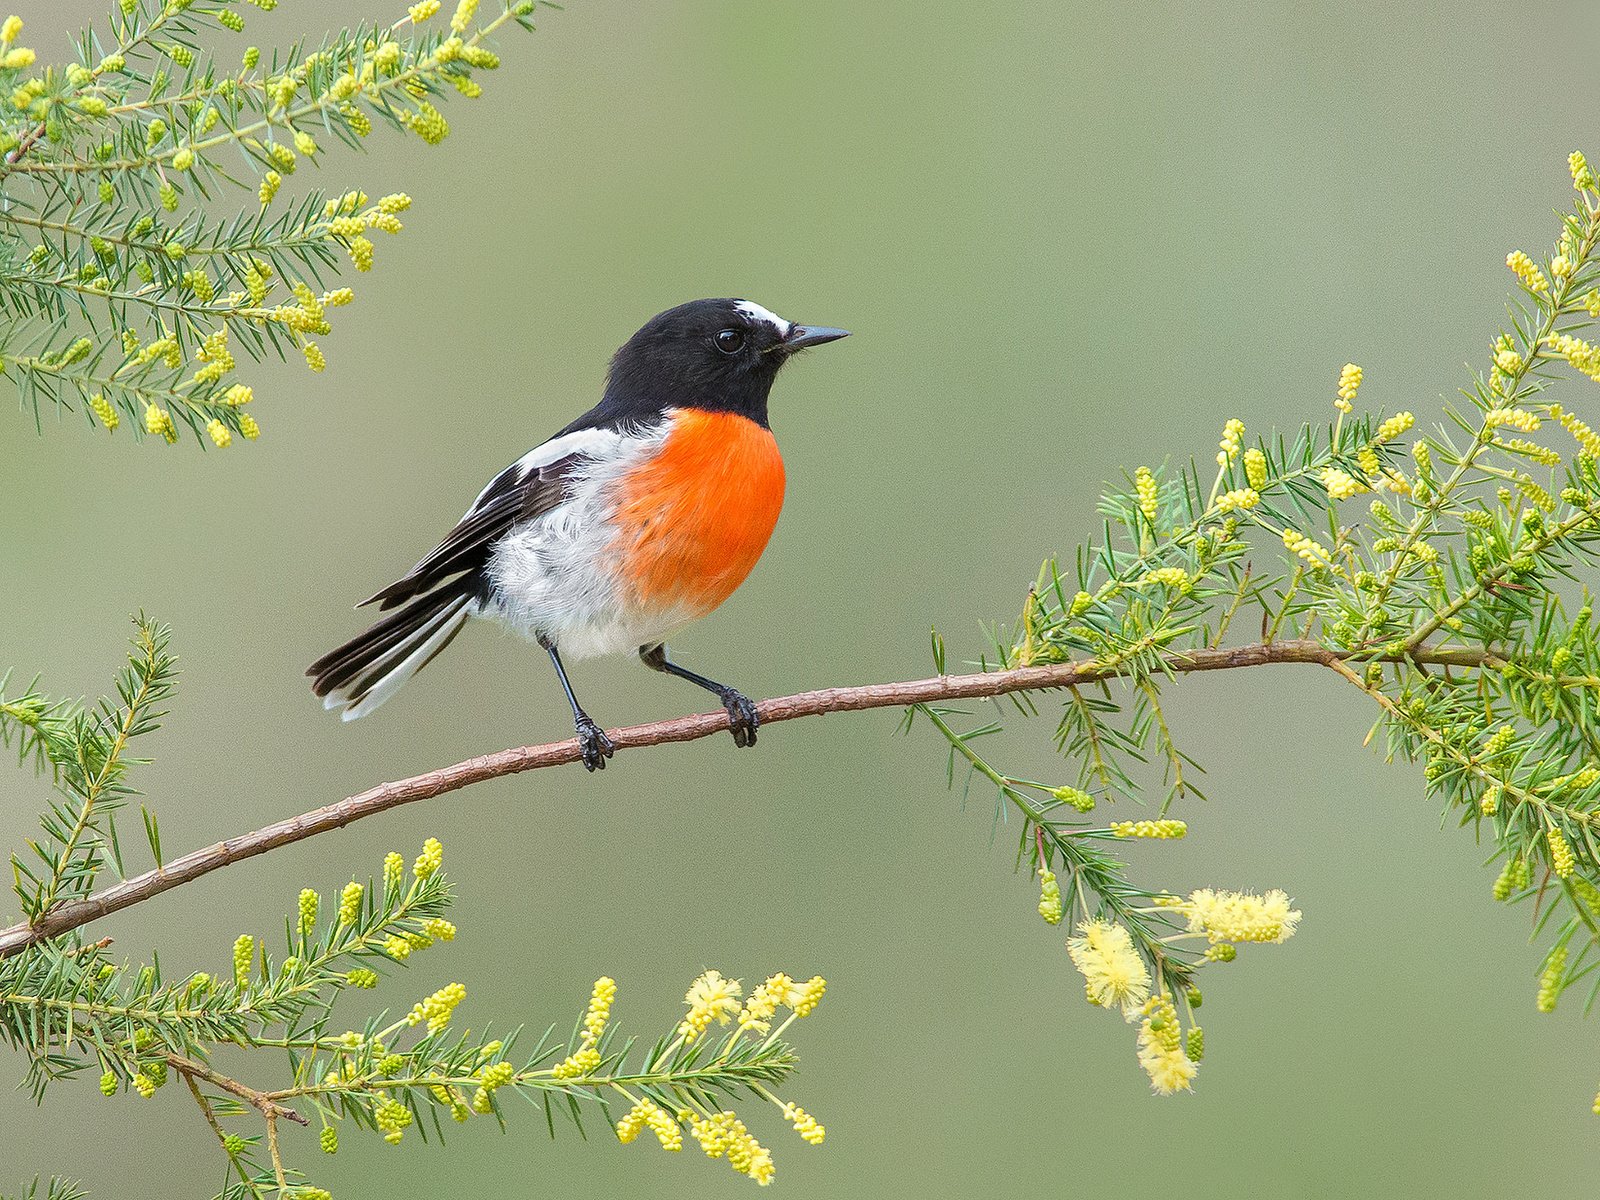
(692, 521)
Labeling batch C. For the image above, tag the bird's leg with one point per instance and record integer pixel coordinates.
(592, 740)
(742, 717)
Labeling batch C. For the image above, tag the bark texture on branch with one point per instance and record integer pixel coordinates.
(385, 796)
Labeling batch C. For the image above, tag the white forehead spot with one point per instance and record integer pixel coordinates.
(756, 313)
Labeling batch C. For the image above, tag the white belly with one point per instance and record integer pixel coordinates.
(554, 576)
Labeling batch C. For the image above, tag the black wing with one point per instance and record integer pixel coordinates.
(515, 495)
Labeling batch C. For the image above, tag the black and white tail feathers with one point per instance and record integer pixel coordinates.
(365, 671)
(447, 586)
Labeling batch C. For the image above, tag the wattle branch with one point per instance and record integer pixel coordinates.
(935, 690)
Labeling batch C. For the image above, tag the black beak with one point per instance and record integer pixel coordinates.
(800, 337)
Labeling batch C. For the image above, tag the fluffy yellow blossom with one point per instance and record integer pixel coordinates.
(763, 1001)
(422, 10)
(1349, 385)
(1113, 972)
(463, 15)
(1527, 272)
(1588, 441)
(1239, 498)
(1161, 1052)
(1166, 828)
(1228, 447)
(248, 427)
(15, 59)
(10, 29)
(710, 998)
(1240, 916)
(1507, 362)
(220, 435)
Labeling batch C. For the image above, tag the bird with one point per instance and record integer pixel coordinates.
(642, 515)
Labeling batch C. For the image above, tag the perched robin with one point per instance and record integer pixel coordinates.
(641, 516)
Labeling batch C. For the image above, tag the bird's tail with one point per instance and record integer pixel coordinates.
(365, 671)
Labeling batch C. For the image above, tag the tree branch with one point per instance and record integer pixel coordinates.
(938, 689)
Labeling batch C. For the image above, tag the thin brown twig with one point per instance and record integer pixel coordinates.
(260, 1101)
(939, 689)
(222, 1134)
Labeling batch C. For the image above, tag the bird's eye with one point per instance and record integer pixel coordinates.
(730, 341)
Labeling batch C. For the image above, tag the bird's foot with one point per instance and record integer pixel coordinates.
(593, 743)
(743, 719)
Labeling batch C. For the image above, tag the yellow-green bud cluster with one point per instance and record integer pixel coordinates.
(1239, 498)
(1588, 441)
(1232, 436)
(1144, 486)
(103, 410)
(1077, 797)
(1527, 272)
(437, 1009)
(1550, 980)
(428, 861)
(244, 952)
(1349, 385)
(1165, 828)
(1341, 485)
(158, 421)
(1170, 577)
(646, 1114)
(1255, 468)
(1514, 877)
(391, 1117)
(804, 1124)
(350, 903)
(1393, 427)
(308, 903)
(1313, 552)
(1562, 861)
(1050, 906)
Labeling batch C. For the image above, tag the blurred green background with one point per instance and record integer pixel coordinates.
(1069, 237)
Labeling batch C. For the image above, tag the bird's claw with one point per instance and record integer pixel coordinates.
(743, 720)
(594, 745)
